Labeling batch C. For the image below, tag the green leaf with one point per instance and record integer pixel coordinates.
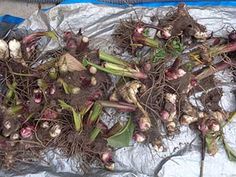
(42, 84)
(175, 47)
(65, 86)
(160, 53)
(95, 113)
(77, 120)
(76, 116)
(209, 141)
(123, 137)
(231, 153)
(14, 109)
(146, 32)
(64, 105)
(112, 59)
(86, 107)
(95, 132)
(51, 34)
(231, 117)
(114, 129)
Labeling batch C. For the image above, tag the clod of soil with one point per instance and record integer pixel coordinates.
(180, 22)
(211, 99)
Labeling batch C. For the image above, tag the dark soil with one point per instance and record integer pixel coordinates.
(211, 99)
(87, 91)
(122, 35)
(181, 22)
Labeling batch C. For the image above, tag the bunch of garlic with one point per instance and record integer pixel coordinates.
(15, 49)
(12, 49)
(4, 51)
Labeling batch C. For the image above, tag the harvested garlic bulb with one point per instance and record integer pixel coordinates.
(55, 131)
(4, 51)
(15, 49)
(139, 137)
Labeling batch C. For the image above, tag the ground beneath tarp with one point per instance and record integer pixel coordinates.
(19, 8)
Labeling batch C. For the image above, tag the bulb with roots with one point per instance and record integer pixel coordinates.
(144, 123)
(139, 137)
(27, 132)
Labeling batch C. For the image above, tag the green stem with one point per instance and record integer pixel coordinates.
(93, 135)
(86, 108)
(95, 113)
(217, 50)
(119, 67)
(151, 42)
(106, 57)
(76, 116)
(14, 109)
(202, 155)
(42, 84)
(118, 105)
(25, 75)
(210, 70)
(137, 75)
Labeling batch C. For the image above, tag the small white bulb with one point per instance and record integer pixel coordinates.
(55, 131)
(171, 98)
(215, 127)
(15, 49)
(93, 81)
(85, 39)
(110, 166)
(4, 51)
(200, 35)
(186, 119)
(139, 137)
(45, 125)
(75, 90)
(93, 70)
(7, 124)
(63, 68)
(158, 148)
(15, 136)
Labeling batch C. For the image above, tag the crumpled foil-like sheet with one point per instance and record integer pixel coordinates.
(138, 160)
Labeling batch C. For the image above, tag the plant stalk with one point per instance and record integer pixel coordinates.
(112, 59)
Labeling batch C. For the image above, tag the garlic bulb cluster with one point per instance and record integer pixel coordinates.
(4, 51)
(12, 49)
(15, 49)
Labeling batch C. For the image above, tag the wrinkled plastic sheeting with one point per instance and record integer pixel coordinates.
(138, 160)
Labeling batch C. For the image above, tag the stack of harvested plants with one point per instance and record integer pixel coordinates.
(59, 103)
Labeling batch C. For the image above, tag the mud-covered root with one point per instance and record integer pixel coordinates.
(76, 44)
(130, 36)
(174, 72)
(158, 145)
(8, 160)
(180, 22)
(122, 35)
(169, 113)
(190, 114)
(139, 137)
(106, 158)
(211, 130)
(129, 93)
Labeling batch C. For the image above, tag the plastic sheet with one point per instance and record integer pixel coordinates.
(182, 158)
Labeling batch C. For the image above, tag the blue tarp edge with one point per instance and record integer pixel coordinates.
(17, 20)
(11, 19)
(159, 4)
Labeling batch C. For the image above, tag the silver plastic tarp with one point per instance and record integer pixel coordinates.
(138, 160)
